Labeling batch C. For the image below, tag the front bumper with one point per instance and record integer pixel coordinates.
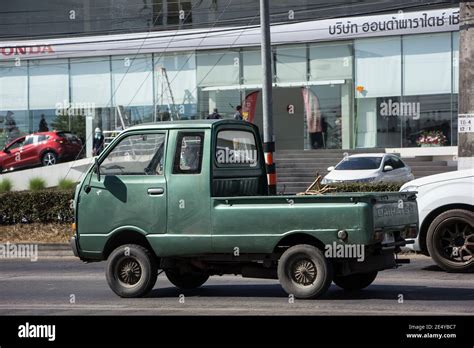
(73, 244)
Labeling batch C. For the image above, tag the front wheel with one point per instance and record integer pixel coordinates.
(131, 271)
(450, 240)
(355, 282)
(49, 159)
(190, 280)
(304, 272)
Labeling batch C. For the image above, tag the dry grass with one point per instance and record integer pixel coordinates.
(35, 233)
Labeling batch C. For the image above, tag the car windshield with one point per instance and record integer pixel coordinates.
(359, 163)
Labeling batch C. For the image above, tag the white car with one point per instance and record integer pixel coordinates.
(369, 168)
(446, 219)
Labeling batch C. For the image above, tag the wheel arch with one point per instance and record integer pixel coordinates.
(429, 219)
(128, 235)
(295, 239)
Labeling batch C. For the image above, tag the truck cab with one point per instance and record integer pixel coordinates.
(190, 198)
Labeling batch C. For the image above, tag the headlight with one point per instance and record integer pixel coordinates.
(326, 181)
(409, 188)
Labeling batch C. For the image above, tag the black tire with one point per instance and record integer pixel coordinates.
(186, 280)
(49, 158)
(304, 272)
(355, 282)
(450, 240)
(131, 271)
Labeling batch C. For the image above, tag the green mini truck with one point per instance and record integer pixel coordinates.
(190, 199)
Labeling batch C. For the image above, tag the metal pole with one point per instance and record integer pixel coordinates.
(268, 141)
(466, 87)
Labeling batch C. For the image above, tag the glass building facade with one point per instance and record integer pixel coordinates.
(378, 92)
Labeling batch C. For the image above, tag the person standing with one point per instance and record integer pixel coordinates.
(215, 115)
(98, 142)
(43, 125)
(238, 113)
(10, 127)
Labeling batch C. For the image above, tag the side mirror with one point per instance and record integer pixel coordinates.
(330, 169)
(387, 168)
(5, 150)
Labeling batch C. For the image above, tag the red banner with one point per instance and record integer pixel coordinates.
(249, 106)
(312, 110)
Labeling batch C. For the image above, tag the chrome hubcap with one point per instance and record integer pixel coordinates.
(129, 272)
(304, 272)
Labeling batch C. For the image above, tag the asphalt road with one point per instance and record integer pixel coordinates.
(47, 287)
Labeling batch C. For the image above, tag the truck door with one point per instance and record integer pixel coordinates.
(189, 226)
(131, 192)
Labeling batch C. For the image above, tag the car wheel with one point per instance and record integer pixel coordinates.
(131, 271)
(190, 280)
(450, 240)
(304, 272)
(49, 158)
(355, 282)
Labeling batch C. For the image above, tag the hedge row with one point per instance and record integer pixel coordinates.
(46, 206)
(365, 187)
(54, 206)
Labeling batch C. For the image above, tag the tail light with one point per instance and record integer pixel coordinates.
(59, 140)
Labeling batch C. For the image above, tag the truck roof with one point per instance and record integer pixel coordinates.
(204, 123)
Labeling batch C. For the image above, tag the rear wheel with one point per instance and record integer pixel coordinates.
(189, 280)
(49, 158)
(304, 272)
(131, 271)
(355, 282)
(450, 240)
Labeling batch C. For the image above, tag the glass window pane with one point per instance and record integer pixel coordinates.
(291, 63)
(456, 62)
(49, 83)
(252, 69)
(330, 61)
(132, 83)
(188, 156)
(378, 67)
(49, 91)
(427, 64)
(181, 72)
(433, 126)
(14, 118)
(236, 148)
(90, 81)
(136, 155)
(218, 68)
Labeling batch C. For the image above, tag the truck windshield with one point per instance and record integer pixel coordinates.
(359, 163)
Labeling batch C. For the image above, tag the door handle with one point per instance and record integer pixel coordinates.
(156, 191)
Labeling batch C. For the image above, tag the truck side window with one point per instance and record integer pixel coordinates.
(140, 154)
(188, 156)
(236, 148)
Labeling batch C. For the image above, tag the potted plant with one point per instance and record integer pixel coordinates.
(431, 138)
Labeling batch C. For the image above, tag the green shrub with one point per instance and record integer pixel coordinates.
(37, 184)
(45, 206)
(365, 187)
(66, 184)
(6, 185)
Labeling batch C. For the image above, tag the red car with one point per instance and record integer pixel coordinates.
(44, 148)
